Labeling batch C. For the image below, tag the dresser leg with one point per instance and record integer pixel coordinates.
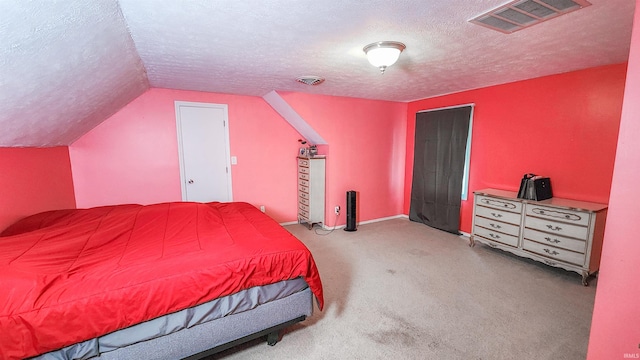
(472, 242)
(585, 278)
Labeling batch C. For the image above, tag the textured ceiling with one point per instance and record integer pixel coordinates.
(65, 66)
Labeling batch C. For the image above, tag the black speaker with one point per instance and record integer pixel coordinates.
(351, 211)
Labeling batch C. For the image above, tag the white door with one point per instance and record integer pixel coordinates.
(203, 143)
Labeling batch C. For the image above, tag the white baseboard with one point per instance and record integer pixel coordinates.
(400, 216)
(383, 219)
(326, 227)
(369, 221)
(288, 223)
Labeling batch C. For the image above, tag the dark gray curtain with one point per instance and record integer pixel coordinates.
(438, 166)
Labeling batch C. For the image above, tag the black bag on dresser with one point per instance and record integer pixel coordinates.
(524, 184)
(533, 187)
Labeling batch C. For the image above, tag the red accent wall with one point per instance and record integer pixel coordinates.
(33, 180)
(132, 157)
(563, 126)
(615, 330)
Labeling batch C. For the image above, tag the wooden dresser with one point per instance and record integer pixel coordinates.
(558, 232)
(311, 187)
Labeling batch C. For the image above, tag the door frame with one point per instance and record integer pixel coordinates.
(225, 109)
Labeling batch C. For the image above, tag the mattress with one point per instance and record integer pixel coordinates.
(77, 275)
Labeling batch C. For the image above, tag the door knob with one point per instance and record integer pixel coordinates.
(190, 181)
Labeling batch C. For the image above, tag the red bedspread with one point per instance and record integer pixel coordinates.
(71, 275)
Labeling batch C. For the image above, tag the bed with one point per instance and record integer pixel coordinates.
(165, 281)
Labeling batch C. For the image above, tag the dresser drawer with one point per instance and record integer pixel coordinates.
(555, 214)
(302, 200)
(498, 226)
(303, 207)
(495, 214)
(303, 176)
(554, 227)
(303, 195)
(503, 204)
(556, 240)
(304, 215)
(302, 170)
(303, 162)
(495, 236)
(303, 188)
(554, 252)
(303, 182)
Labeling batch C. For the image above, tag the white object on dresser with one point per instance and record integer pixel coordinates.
(311, 180)
(558, 232)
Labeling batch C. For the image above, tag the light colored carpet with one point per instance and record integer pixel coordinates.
(401, 290)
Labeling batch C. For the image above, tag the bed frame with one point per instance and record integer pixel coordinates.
(218, 335)
(298, 309)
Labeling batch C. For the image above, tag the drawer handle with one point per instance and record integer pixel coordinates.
(551, 252)
(496, 215)
(550, 263)
(553, 241)
(554, 228)
(492, 245)
(495, 226)
(494, 236)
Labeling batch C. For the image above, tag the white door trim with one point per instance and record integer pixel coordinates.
(224, 107)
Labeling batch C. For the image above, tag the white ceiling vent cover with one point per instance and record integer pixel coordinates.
(310, 80)
(521, 14)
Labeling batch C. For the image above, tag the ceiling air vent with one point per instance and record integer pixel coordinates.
(310, 80)
(521, 14)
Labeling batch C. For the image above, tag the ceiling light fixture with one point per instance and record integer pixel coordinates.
(383, 54)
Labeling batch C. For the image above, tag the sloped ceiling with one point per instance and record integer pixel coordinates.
(67, 65)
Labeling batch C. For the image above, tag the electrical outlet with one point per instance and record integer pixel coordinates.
(262, 208)
(337, 209)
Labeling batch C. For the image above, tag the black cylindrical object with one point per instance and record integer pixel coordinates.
(351, 211)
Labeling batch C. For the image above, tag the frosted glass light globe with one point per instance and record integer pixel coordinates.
(383, 53)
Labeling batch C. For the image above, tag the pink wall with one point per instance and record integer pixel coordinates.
(563, 126)
(133, 157)
(615, 330)
(33, 180)
(365, 153)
